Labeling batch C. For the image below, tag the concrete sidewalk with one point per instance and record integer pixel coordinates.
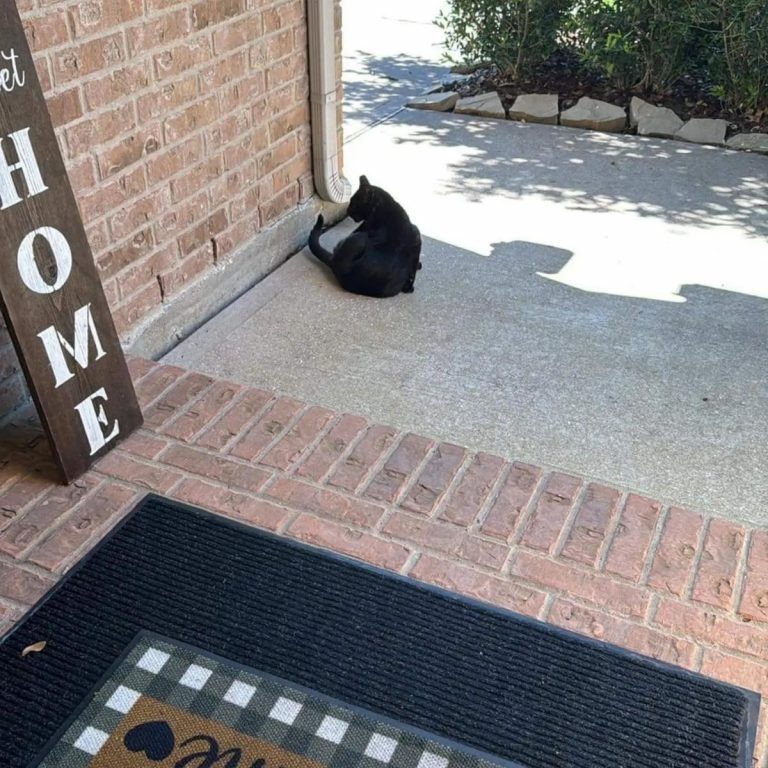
(392, 52)
(588, 302)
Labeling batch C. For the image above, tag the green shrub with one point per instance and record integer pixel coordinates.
(738, 58)
(639, 44)
(515, 34)
(645, 45)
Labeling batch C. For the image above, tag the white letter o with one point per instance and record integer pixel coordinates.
(28, 270)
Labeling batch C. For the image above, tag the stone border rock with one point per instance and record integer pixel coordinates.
(593, 114)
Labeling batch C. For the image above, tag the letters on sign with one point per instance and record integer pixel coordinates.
(50, 292)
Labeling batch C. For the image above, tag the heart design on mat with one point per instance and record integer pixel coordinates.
(155, 739)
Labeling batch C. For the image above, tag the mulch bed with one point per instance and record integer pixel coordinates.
(565, 75)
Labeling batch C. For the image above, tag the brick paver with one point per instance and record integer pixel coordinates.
(602, 561)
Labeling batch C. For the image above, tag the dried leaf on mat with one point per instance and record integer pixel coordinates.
(34, 648)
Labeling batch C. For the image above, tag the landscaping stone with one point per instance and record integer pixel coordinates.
(639, 108)
(484, 104)
(437, 102)
(703, 130)
(653, 121)
(536, 108)
(594, 114)
(665, 124)
(754, 142)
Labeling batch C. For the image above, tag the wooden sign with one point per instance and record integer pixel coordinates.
(50, 292)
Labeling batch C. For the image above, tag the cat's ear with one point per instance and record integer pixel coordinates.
(364, 181)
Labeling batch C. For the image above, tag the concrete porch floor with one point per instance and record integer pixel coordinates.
(617, 566)
(589, 302)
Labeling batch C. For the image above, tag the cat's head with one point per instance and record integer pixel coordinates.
(363, 201)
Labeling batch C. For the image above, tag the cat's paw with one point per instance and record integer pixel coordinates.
(408, 288)
(320, 223)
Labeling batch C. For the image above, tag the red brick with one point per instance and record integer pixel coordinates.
(467, 581)
(83, 527)
(203, 411)
(754, 599)
(390, 481)
(716, 575)
(230, 36)
(610, 629)
(65, 107)
(712, 629)
(514, 497)
(467, 499)
(195, 116)
(159, 31)
(551, 513)
(137, 307)
(26, 489)
(210, 12)
(156, 382)
(325, 503)
(139, 213)
(435, 479)
(588, 531)
(270, 426)
(632, 539)
(180, 218)
(355, 467)
(105, 91)
(82, 137)
(191, 266)
(238, 506)
(22, 585)
(731, 669)
(131, 149)
(112, 195)
(287, 70)
(47, 31)
(194, 179)
(233, 127)
(338, 538)
(203, 232)
(176, 398)
(139, 367)
(316, 464)
(587, 585)
(278, 153)
(167, 98)
(233, 422)
(287, 14)
(124, 467)
(88, 58)
(181, 155)
(673, 563)
(82, 176)
(223, 470)
(143, 444)
(222, 71)
(182, 58)
(279, 206)
(446, 538)
(297, 440)
(124, 255)
(89, 18)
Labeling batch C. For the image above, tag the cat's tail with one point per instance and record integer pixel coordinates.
(314, 242)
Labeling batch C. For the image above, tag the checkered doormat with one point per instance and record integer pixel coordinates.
(165, 702)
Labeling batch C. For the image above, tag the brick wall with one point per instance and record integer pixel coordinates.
(185, 130)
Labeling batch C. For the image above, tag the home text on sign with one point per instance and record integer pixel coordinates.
(50, 292)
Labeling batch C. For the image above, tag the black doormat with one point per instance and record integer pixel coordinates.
(477, 675)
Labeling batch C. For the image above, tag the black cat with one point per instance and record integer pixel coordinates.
(381, 257)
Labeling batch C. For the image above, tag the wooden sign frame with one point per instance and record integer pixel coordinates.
(50, 292)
